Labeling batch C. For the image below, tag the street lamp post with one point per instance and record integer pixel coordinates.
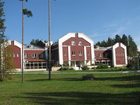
(49, 39)
(22, 55)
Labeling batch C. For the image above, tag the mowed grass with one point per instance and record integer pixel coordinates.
(68, 88)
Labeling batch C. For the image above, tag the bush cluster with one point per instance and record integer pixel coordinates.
(88, 77)
(102, 66)
(85, 68)
(65, 68)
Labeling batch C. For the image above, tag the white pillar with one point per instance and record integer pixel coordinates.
(69, 55)
(85, 55)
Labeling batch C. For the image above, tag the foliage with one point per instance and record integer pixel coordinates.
(85, 68)
(6, 63)
(27, 12)
(38, 43)
(102, 66)
(64, 68)
(2, 38)
(88, 77)
(134, 63)
(125, 39)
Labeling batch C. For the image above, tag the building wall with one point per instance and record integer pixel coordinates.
(16, 53)
(119, 55)
(103, 56)
(15, 48)
(76, 47)
(34, 55)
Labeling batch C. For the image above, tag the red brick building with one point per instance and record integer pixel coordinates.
(115, 55)
(16, 51)
(73, 49)
(76, 49)
(34, 57)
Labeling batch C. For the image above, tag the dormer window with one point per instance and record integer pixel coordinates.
(73, 43)
(80, 43)
(34, 55)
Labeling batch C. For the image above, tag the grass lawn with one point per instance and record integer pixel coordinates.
(69, 89)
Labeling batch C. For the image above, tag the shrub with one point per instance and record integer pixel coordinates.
(85, 68)
(65, 68)
(88, 77)
(102, 66)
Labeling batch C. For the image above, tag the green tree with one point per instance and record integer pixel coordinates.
(132, 47)
(2, 38)
(38, 43)
(110, 41)
(118, 38)
(6, 63)
(126, 40)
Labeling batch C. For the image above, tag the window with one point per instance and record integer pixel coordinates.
(33, 55)
(100, 55)
(14, 55)
(73, 43)
(80, 43)
(17, 55)
(41, 56)
(73, 53)
(80, 53)
(25, 55)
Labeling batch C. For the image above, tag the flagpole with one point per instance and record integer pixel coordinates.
(22, 54)
(49, 38)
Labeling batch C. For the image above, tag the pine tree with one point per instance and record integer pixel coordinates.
(126, 40)
(38, 43)
(2, 38)
(6, 61)
(117, 38)
(132, 47)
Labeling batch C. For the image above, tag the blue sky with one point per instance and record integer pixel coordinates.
(99, 19)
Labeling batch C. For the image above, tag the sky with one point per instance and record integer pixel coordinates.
(98, 19)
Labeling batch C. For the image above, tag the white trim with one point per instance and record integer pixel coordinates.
(92, 54)
(69, 35)
(85, 55)
(125, 49)
(114, 54)
(69, 55)
(60, 54)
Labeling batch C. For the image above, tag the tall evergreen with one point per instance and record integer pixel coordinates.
(117, 38)
(132, 47)
(126, 40)
(2, 29)
(38, 43)
(6, 61)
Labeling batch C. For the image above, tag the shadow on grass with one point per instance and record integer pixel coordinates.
(82, 98)
(132, 85)
(121, 78)
(56, 79)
